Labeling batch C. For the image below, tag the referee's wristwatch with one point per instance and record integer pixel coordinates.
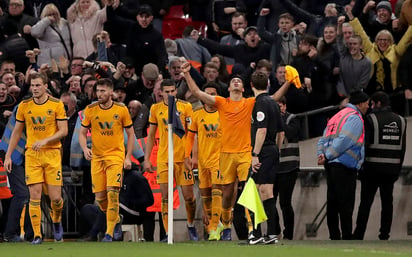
(254, 154)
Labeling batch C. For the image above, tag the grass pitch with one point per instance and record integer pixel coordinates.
(210, 249)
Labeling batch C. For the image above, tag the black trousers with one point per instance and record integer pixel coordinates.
(341, 182)
(369, 185)
(283, 188)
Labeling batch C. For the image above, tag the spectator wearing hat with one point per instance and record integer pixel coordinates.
(142, 88)
(144, 43)
(341, 150)
(378, 16)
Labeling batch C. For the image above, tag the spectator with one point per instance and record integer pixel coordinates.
(346, 31)
(341, 150)
(221, 12)
(7, 103)
(76, 66)
(102, 38)
(188, 47)
(328, 58)
(53, 35)
(252, 51)
(22, 21)
(305, 61)
(384, 55)
(239, 24)
(14, 47)
(315, 22)
(171, 47)
(143, 86)
(211, 74)
(85, 19)
(221, 64)
(141, 123)
(8, 79)
(354, 66)
(381, 19)
(183, 91)
(284, 42)
(35, 7)
(385, 151)
(125, 73)
(70, 103)
(119, 94)
(297, 98)
(144, 44)
(7, 66)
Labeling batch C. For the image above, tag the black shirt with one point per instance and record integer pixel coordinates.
(266, 114)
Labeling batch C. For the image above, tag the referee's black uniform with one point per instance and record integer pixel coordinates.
(266, 114)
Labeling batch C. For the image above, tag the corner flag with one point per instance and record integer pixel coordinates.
(174, 117)
(250, 199)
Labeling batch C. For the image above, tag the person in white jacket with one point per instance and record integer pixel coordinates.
(86, 19)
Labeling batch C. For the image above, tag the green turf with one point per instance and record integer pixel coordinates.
(211, 249)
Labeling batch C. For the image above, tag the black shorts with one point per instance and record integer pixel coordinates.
(269, 159)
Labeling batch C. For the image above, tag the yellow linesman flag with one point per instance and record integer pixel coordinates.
(250, 199)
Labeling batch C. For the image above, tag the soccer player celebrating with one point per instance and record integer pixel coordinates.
(107, 120)
(235, 155)
(46, 123)
(206, 125)
(158, 119)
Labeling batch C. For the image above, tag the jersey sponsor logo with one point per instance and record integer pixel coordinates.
(38, 120)
(38, 123)
(210, 127)
(211, 130)
(106, 128)
(106, 125)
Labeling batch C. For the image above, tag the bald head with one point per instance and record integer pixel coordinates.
(134, 107)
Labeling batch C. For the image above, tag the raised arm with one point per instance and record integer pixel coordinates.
(207, 99)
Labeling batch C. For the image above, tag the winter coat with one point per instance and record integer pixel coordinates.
(49, 40)
(84, 26)
(392, 54)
